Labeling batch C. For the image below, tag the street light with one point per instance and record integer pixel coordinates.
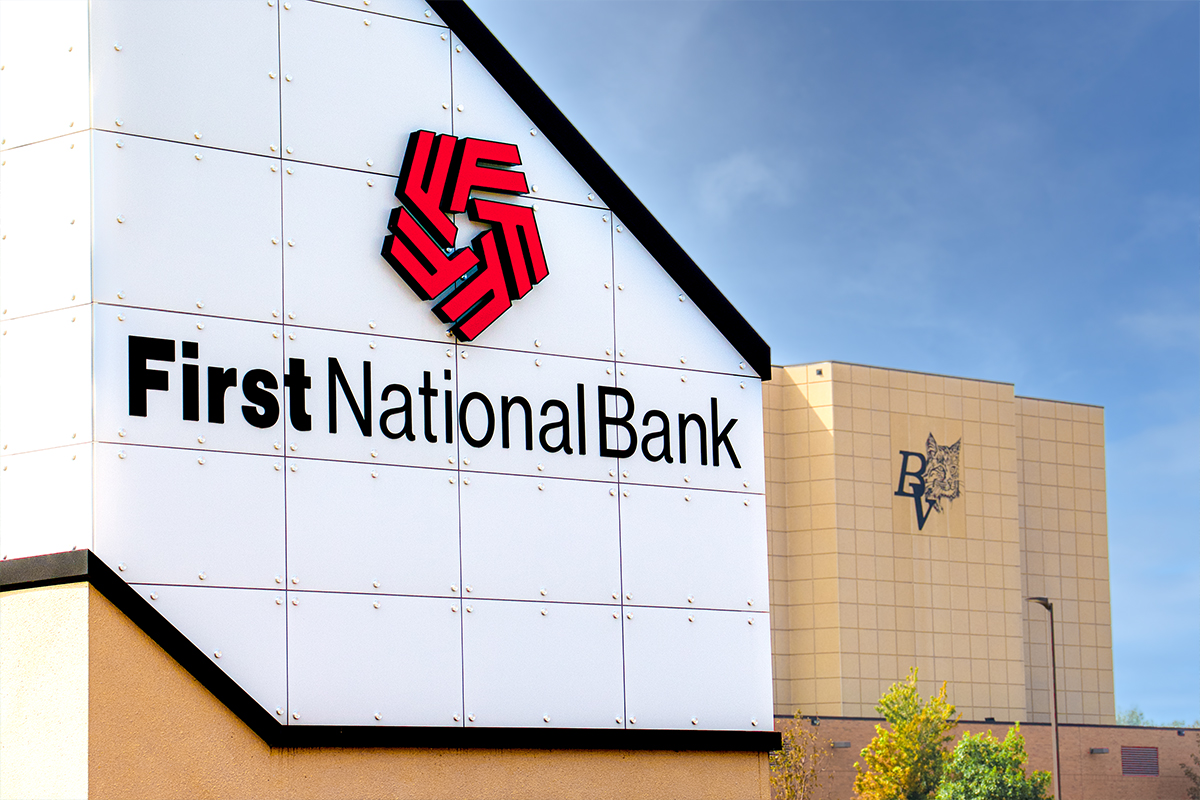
(1046, 604)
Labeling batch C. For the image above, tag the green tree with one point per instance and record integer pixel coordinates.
(906, 762)
(1133, 716)
(984, 768)
(796, 767)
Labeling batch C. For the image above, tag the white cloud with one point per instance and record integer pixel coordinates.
(743, 179)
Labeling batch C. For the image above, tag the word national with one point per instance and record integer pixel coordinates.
(427, 408)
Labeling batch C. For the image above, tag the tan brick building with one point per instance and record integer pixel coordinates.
(868, 580)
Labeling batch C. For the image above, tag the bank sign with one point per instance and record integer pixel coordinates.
(405, 414)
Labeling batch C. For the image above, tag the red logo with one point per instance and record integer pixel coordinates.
(473, 285)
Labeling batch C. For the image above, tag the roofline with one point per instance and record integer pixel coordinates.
(891, 369)
(79, 566)
(601, 177)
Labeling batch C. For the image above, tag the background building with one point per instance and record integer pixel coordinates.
(861, 592)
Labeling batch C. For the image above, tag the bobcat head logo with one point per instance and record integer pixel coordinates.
(935, 480)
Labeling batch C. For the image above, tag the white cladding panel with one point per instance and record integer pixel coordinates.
(657, 323)
(165, 515)
(46, 380)
(692, 548)
(539, 379)
(44, 83)
(46, 222)
(46, 501)
(711, 666)
(570, 311)
(405, 9)
(222, 343)
(247, 627)
(334, 275)
(197, 72)
(356, 84)
(489, 113)
(530, 539)
(524, 662)
(399, 362)
(352, 657)
(165, 209)
(372, 528)
(686, 392)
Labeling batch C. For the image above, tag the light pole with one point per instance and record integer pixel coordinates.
(1045, 603)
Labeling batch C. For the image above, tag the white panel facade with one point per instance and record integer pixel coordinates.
(166, 209)
(356, 84)
(700, 458)
(46, 380)
(45, 225)
(44, 83)
(401, 363)
(372, 528)
(570, 311)
(201, 72)
(539, 379)
(46, 501)
(222, 345)
(165, 515)
(692, 669)
(542, 665)
(373, 660)
(334, 221)
(487, 112)
(714, 543)
(244, 631)
(536, 539)
(211, 377)
(657, 323)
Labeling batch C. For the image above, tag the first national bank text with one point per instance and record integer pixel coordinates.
(428, 408)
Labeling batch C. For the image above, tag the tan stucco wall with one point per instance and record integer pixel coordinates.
(43, 692)
(1064, 534)
(156, 732)
(859, 594)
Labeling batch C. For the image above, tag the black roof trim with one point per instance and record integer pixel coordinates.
(600, 176)
(82, 565)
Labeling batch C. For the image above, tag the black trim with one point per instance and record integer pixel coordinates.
(600, 176)
(82, 565)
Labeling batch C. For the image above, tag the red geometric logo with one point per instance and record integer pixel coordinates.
(473, 285)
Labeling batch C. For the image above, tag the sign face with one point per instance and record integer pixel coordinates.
(469, 459)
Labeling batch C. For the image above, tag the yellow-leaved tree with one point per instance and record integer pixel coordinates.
(906, 762)
(796, 767)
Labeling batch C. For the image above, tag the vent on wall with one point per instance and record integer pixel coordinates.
(1139, 760)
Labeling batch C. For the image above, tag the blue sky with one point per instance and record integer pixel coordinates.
(999, 190)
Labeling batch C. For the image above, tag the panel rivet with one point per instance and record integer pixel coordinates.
(154, 595)
(633, 720)
(288, 78)
(293, 467)
(614, 596)
(537, 342)
(200, 439)
(199, 326)
(370, 162)
(454, 610)
(621, 287)
(278, 710)
(621, 353)
(471, 717)
(279, 579)
(374, 454)
(745, 502)
(612, 473)
(593, 197)
(121, 432)
(625, 493)
(691, 599)
(121, 566)
(691, 618)
(199, 157)
(367, 22)
(460, 108)
(466, 481)
(469, 609)
(117, 47)
(445, 105)
(608, 371)
(543, 592)
(468, 588)
(695, 721)
(458, 49)
(276, 445)
(451, 459)
(429, 13)
(203, 575)
(754, 722)
(119, 455)
(629, 595)
(612, 492)
(541, 488)
(625, 473)
(291, 315)
(618, 720)
(291, 242)
(543, 612)
(271, 75)
(200, 461)
(456, 717)
(120, 218)
(295, 602)
(607, 351)
(374, 474)
(540, 468)
(370, 182)
(629, 615)
(616, 615)
(746, 484)
(743, 385)
(619, 229)
(278, 601)
(199, 304)
(376, 605)
(275, 240)
(750, 621)
(546, 718)
(119, 124)
(295, 581)
(297, 714)
(375, 584)
(687, 478)
(687, 498)
(198, 135)
(750, 602)
(378, 716)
